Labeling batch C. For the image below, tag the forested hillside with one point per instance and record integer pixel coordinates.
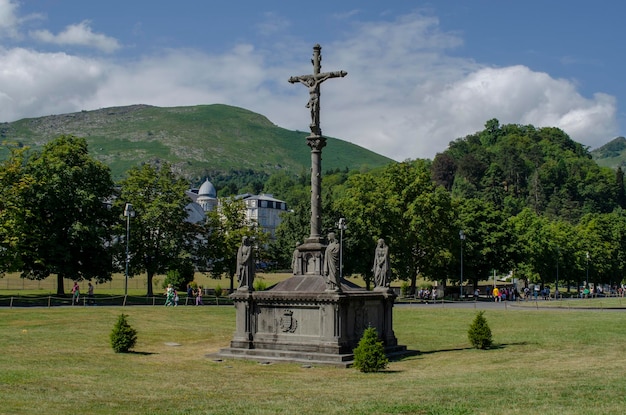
(511, 200)
(517, 166)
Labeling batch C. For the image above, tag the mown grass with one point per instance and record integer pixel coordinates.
(59, 361)
(11, 283)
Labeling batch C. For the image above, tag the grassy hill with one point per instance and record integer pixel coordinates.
(196, 140)
(612, 154)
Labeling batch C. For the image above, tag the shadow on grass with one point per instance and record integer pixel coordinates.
(140, 353)
(494, 346)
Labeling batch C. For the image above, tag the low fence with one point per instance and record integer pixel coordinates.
(84, 301)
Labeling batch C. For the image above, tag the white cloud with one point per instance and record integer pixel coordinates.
(34, 84)
(405, 96)
(79, 34)
(9, 21)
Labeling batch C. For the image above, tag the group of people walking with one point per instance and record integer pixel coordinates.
(76, 294)
(504, 293)
(172, 298)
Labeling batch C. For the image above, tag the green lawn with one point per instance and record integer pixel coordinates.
(59, 361)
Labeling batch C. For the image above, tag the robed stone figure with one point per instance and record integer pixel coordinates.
(331, 264)
(245, 264)
(381, 269)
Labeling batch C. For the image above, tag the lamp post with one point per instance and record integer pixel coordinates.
(556, 288)
(342, 226)
(462, 237)
(587, 277)
(128, 213)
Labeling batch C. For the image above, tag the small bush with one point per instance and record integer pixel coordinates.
(479, 333)
(123, 336)
(218, 291)
(259, 285)
(404, 289)
(180, 276)
(369, 355)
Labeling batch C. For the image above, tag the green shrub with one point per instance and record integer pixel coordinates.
(180, 276)
(123, 336)
(259, 285)
(479, 333)
(218, 291)
(404, 289)
(369, 355)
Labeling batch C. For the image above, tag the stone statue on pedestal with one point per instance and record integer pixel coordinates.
(331, 264)
(245, 265)
(381, 269)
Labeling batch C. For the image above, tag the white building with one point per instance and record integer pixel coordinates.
(263, 209)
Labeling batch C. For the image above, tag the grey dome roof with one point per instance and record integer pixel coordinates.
(207, 189)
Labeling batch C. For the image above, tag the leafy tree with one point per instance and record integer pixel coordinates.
(225, 229)
(620, 190)
(163, 237)
(420, 214)
(179, 278)
(603, 238)
(55, 218)
(489, 242)
(364, 209)
(443, 170)
(295, 224)
(535, 247)
(402, 205)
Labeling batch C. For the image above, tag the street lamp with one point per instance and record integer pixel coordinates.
(556, 288)
(128, 213)
(342, 226)
(587, 278)
(462, 236)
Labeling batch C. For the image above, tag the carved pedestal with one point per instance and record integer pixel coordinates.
(298, 320)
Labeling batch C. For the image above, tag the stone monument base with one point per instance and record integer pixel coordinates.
(299, 320)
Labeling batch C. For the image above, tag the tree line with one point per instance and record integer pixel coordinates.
(61, 214)
(529, 201)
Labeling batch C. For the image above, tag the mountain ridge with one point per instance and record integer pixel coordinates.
(611, 154)
(194, 139)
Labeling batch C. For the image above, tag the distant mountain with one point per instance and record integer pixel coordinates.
(612, 154)
(196, 140)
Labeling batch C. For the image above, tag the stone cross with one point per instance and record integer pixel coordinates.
(313, 82)
(316, 141)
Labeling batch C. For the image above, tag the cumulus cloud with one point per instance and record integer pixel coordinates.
(9, 22)
(79, 34)
(35, 84)
(405, 96)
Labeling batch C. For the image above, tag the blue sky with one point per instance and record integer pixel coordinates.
(420, 73)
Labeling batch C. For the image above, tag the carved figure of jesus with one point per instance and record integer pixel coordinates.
(313, 82)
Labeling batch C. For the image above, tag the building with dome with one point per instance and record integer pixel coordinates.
(263, 209)
(207, 196)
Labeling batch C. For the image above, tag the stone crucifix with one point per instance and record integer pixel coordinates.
(313, 82)
(316, 141)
